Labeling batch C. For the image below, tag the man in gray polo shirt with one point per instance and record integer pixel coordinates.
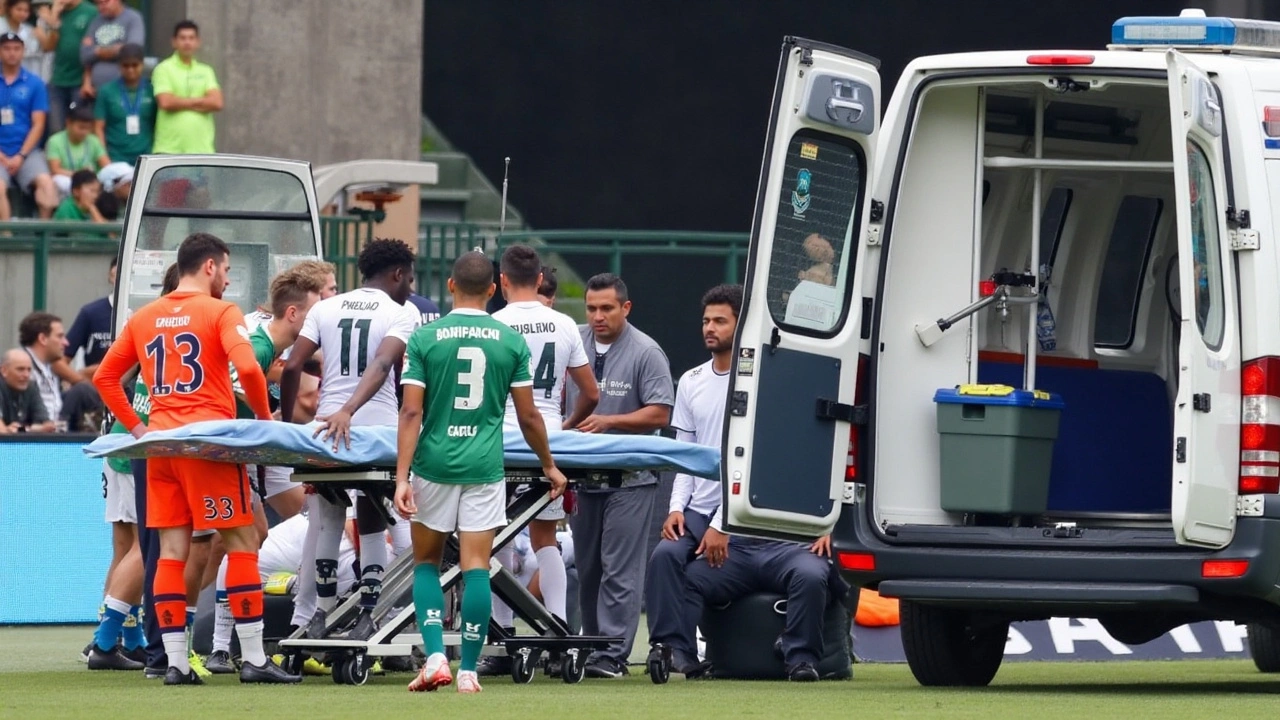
(609, 526)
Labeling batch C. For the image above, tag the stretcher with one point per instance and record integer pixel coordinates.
(587, 461)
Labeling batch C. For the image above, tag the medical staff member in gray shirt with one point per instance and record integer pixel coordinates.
(610, 525)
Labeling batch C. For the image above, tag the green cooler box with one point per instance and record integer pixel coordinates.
(996, 448)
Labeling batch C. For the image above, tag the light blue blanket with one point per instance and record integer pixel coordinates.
(277, 443)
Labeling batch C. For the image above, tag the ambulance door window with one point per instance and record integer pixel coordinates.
(1206, 257)
(1052, 219)
(820, 199)
(1128, 252)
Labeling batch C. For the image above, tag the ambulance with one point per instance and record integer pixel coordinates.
(1099, 225)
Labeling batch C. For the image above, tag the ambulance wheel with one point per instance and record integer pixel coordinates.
(659, 664)
(573, 665)
(956, 648)
(523, 666)
(1264, 646)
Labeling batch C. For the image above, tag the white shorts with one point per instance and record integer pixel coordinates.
(117, 488)
(467, 508)
(278, 480)
(553, 511)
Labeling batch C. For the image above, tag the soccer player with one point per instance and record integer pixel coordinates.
(363, 334)
(555, 346)
(293, 292)
(184, 342)
(458, 373)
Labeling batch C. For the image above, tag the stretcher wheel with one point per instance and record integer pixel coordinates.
(659, 664)
(357, 670)
(522, 666)
(292, 663)
(573, 666)
(339, 670)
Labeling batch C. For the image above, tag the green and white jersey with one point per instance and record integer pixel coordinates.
(264, 350)
(142, 406)
(466, 362)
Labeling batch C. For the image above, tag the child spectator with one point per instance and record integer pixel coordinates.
(125, 112)
(75, 149)
(82, 204)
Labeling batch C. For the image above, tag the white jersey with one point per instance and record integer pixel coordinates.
(698, 417)
(555, 345)
(348, 328)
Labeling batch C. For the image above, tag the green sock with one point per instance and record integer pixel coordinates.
(476, 604)
(428, 606)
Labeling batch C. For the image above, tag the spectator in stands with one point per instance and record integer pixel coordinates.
(42, 337)
(82, 204)
(21, 409)
(41, 60)
(125, 111)
(117, 180)
(21, 128)
(16, 14)
(74, 149)
(115, 26)
(188, 94)
(109, 207)
(91, 330)
(69, 20)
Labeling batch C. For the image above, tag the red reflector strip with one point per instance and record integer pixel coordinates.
(1059, 59)
(1224, 568)
(1255, 485)
(986, 288)
(1271, 121)
(737, 488)
(865, 562)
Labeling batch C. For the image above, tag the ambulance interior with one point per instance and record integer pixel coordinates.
(1107, 245)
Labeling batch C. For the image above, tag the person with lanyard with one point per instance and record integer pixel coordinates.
(75, 149)
(24, 103)
(125, 113)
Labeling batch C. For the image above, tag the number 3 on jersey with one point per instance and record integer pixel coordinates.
(187, 346)
(472, 379)
(544, 377)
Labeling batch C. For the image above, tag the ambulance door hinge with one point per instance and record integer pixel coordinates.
(1244, 239)
(1237, 219)
(877, 210)
(832, 410)
(806, 56)
(1202, 402)
(1180, 450)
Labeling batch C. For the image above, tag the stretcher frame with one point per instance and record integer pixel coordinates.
(396, 635)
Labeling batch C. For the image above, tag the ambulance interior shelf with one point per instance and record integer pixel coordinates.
(996, 291)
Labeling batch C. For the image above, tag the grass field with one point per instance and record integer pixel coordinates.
(41, 677)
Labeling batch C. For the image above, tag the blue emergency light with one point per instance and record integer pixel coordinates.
(1194, 29)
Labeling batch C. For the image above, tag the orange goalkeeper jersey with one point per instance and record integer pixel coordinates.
(183, 342)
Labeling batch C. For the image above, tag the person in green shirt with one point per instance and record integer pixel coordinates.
(188, 94)
(66, 30)
(125, 111)
(82, 203)
(292, 294)
(458, 372)
(74, 149)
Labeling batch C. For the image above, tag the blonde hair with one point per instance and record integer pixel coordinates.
(292, 287)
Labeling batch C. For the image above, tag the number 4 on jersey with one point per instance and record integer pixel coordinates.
(544, 377)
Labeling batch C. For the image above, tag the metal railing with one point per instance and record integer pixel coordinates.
(43, 239)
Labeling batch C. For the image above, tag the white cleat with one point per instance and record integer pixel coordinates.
(434, 674)
(468, 682)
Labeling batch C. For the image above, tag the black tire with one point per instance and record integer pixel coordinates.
(358, 669)
(340, 671)
(946, 647)
(1264, 647)
(658, 664)
(522, 667)
(574, 666)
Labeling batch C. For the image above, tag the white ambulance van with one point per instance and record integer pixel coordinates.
(1102, 225)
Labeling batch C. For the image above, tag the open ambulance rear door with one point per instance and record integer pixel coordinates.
(791, 404)
(263, 208)
(1207, 409)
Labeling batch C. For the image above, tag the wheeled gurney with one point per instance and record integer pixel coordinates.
(368, 466)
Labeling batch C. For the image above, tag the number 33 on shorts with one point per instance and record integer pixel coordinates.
(219, 508)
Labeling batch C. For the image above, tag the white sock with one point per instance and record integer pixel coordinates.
(175, 646)
(223, 622)
(250, 635)
(333, 519)
(552, 580)
(502, 613)
(119, 606)
(401, 537)
(304, 594)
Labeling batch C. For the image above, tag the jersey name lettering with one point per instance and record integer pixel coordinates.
(360, 305)
(467, 332)
(534, 328)
(173, 322)
(462, 431)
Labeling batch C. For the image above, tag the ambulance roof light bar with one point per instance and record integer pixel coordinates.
(1192, 30)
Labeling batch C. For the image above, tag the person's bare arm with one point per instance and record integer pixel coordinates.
(99, 129)
(302, 351)
(62, 368)
(338, 425)
(410, 427)
(172, 103)
(534, 429)
(645, 420)
(588, 395)
(210, 103)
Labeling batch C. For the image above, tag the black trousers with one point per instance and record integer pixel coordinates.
(149, 544)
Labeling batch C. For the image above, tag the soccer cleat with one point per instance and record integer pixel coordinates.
(197, 665)
(493, 666)
(364, 627)
(434, 674)
(220, 663)
(84, 654)
(468, 682)
(174, 676)
(139, 654)
(802, 672)
(114, 659)
(154, 673)
(267, 672)
(316, 628)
